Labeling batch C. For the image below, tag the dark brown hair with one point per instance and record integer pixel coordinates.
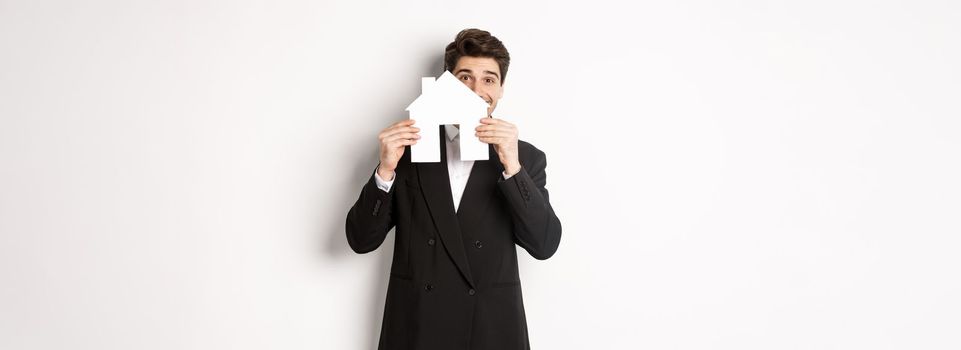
(477, 43)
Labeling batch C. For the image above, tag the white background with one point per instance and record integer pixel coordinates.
(729, 175)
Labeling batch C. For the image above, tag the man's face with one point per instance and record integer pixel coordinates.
(483, 75)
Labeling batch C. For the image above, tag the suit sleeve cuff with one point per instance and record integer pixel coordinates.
(382, 184)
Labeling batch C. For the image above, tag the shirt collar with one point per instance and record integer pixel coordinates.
(451, 131)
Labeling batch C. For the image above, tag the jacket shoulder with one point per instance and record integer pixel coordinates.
(528, 152)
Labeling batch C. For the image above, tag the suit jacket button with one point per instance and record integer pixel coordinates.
(478, 244)
(471, 292)
(429, 287)
(430, 241)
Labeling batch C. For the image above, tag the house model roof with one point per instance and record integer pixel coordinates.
(445, 93)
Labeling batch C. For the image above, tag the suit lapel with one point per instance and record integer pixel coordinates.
(435, 182)
(480, 188)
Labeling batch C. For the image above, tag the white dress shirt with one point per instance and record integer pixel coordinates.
(458, 170)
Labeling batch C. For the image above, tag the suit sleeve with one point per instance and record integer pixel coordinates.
(371, 217)
(536, 228)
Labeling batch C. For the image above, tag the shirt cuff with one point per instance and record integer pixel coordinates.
(504, 174)
(381, 183)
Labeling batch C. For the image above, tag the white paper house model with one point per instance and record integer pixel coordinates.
(441, 102)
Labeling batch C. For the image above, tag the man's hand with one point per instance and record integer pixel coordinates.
(503, 136)
(392, 143)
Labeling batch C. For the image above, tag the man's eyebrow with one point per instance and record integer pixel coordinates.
(462, 70)
(493, 73)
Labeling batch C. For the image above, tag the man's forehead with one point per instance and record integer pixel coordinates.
(478, 65)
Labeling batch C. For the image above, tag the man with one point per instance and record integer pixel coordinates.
(454, 282)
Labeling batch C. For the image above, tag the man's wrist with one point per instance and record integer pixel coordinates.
(512, 169)
(385, 174)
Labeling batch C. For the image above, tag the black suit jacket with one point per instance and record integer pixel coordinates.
(454, 282)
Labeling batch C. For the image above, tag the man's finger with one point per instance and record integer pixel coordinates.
(406, 129)
(405, 122)
(496, 126)
(403, 136)
(495, 121)
(400, 143)
(492, 140)
(498, 133)
(400, 124)
(491, 127)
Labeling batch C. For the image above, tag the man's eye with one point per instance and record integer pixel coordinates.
(464, 77)
(490, 81)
